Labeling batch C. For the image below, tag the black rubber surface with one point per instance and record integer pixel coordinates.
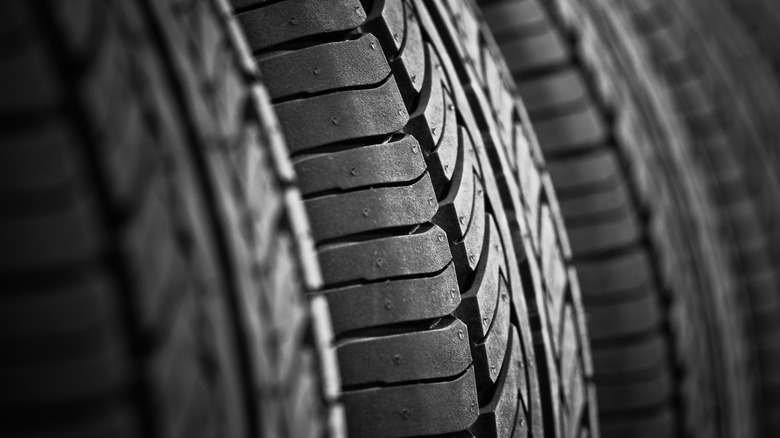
(726, 86)
(402, 145)
(153, 259)
(663, 302)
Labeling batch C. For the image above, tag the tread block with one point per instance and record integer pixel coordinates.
(695, 97)
(664, 43)
(17, 17)
(107, 83)
(70, 235)
(430, 122)
(577, 397)
(55, 309)
(745, 221)
(554, 274)
(437, 353)
(615, 275)
(489, 353)
(303, 405)
(342, 116)
(445, 154)
(504, 414)
(322, 68)
(439, 124)
(155, 264)
(637, 394)
(394, 301)
(535, 52)
(606, 204)
(131, 157)
(760, 287)
(530, 185)
(413, 254)
(39, 159)
(599, 169)
(514, 17)
(649, 426)
(27, 83)
(469, 250)
(413, 410)
(623, 319)
(112, 419)
(577, 131)
(394, 20)
(183, 394)
(478, 304)
(468, 28)
(285, 21)
(285, 299)
(501, 100)
(60, 380)
(506, 118)
(569, 343)
(350, 213)
(413, 51)
(553, 92)
(753, 254)
(532, 395)
(265, 205)
(456, 209)
(615, 233)
(643, 356)
(387, 163)
(163, 288)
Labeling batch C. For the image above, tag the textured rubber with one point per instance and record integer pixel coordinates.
(755, 223)
(153, 250)
(669, 347)
(407, 143)
(726, 85)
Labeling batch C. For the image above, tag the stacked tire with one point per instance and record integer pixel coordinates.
(161, 278)
(658, 120)
(154, 252)
(389, 218)
(448, 318)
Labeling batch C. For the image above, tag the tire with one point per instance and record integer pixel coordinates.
(731, 101)
(665, 302)
(758, 95)
(455, 309)
(153, 251)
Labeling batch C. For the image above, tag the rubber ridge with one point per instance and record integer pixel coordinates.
(409, 221)
(632, 193)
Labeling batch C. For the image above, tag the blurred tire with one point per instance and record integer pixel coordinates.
(625, 108)
(153, 257)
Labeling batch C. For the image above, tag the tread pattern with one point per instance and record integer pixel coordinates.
(621, 202)
(137, 299)
(732, 81)
(418, 259)
(560, 336)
